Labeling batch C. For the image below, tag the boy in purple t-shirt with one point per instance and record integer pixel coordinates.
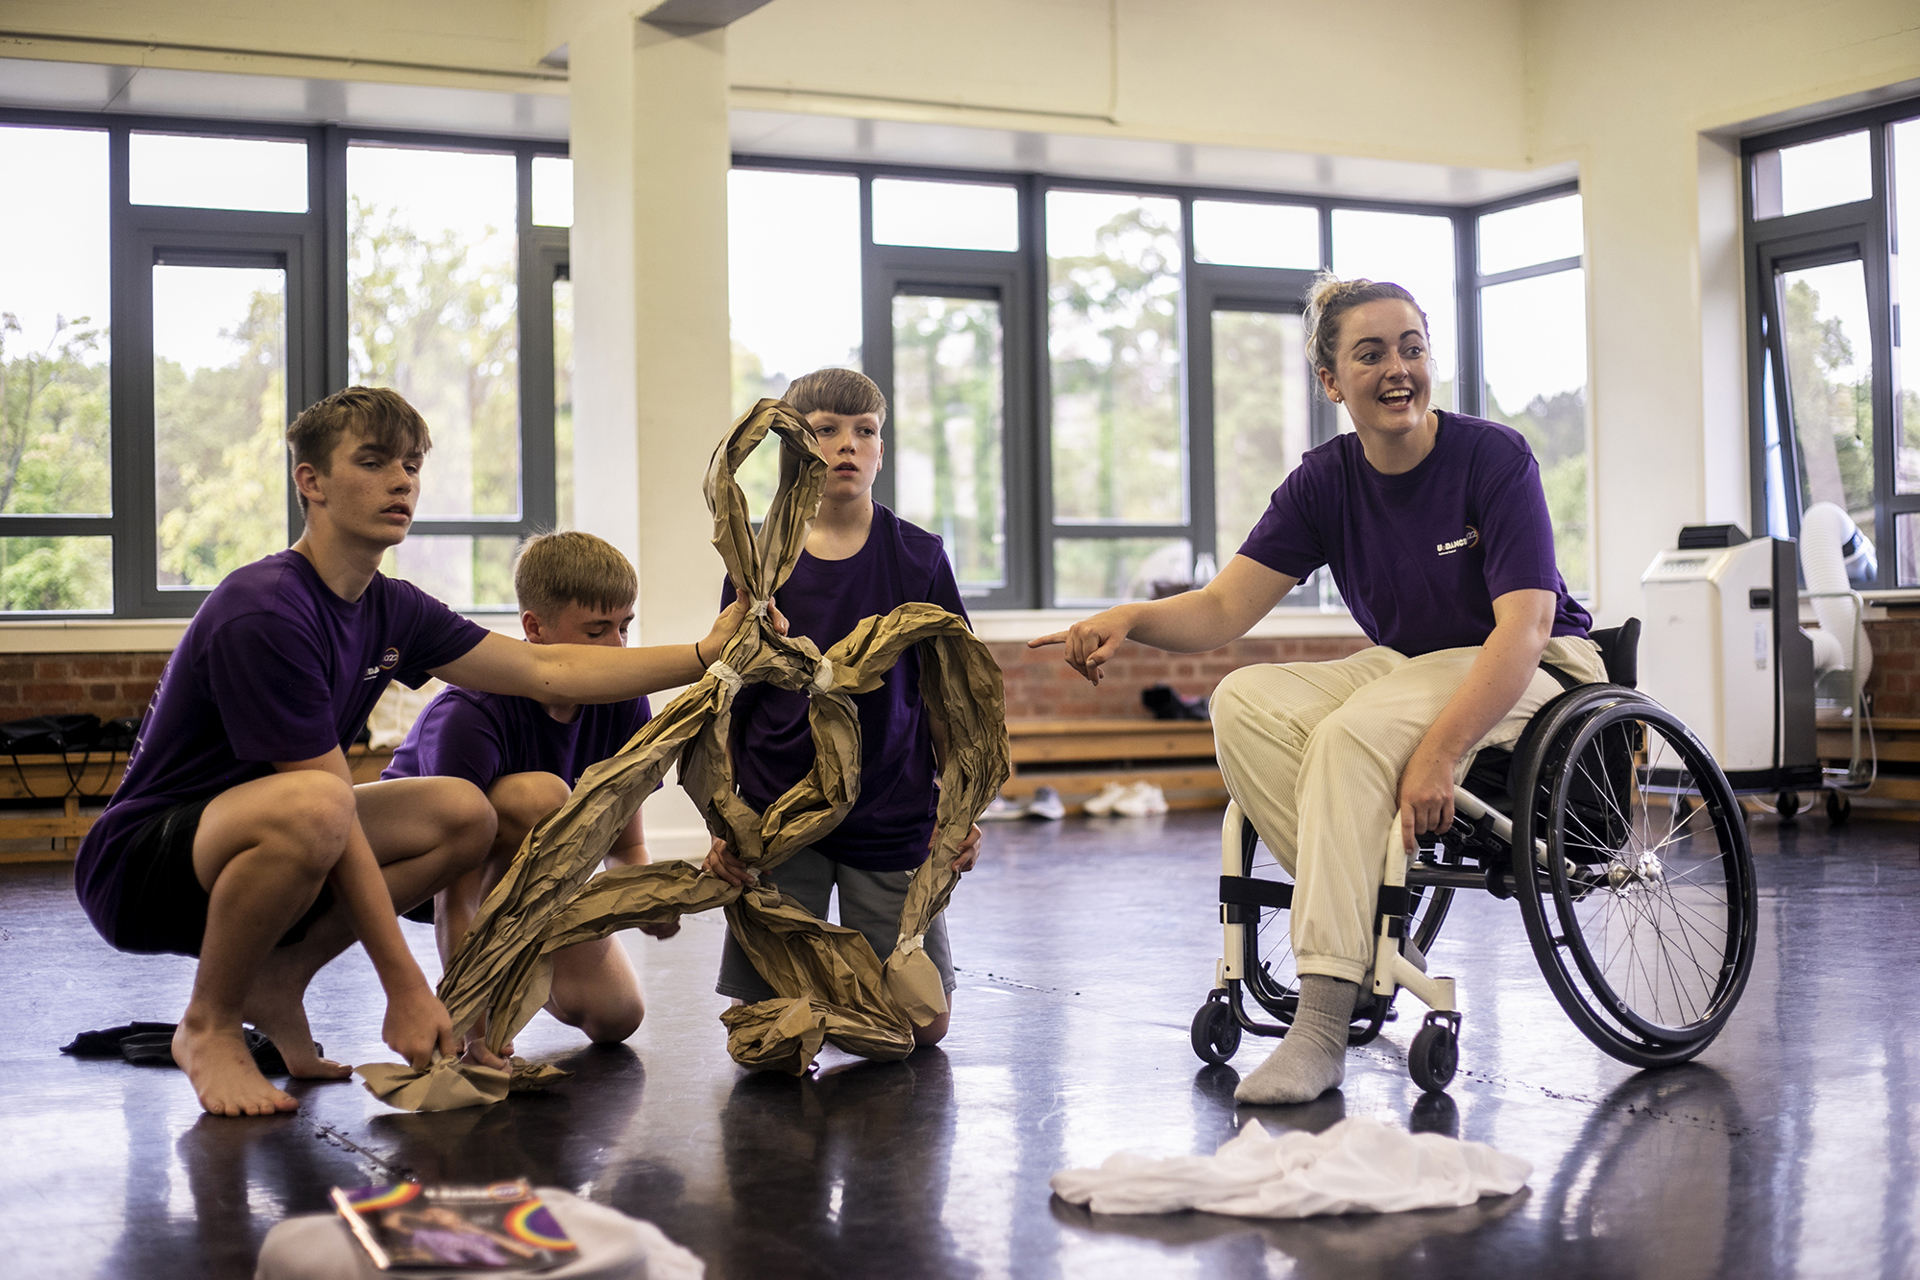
(237, 834)
(527, 755)
(860, 560)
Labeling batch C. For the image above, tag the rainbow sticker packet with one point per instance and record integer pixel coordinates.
(499, 1227)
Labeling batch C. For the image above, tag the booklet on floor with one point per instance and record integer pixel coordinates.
(499, 1227)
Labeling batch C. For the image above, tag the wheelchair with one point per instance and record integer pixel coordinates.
(1636, 888)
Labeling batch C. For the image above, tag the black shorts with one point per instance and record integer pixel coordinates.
(163, 909)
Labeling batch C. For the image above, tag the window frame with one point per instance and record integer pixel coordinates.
(1032, 527)
(1470, 270)
(1863, 231)
(313, 248)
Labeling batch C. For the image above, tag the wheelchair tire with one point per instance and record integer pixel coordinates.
(1643, 918)
(1267, 960)
(1216, 1036)
(1433, 1057)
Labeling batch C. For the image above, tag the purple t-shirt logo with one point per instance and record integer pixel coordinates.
(1475, 499)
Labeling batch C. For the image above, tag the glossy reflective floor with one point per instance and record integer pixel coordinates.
(1084, 947)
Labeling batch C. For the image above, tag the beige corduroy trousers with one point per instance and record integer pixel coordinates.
(1313, 752)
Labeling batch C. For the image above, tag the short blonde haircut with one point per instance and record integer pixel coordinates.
(554, 570)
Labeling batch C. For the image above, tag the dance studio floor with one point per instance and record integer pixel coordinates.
(1083, 948)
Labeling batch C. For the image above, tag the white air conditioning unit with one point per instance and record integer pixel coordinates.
(1721, 647)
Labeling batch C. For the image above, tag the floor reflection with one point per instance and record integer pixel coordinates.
(826, 1168)
(1786, 1149)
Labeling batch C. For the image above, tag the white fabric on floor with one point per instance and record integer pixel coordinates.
(318, 1246)
(1356, 1166)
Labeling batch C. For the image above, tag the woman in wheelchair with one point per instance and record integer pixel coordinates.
(1435, 529)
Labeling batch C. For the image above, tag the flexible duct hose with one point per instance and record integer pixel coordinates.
(1825, 530)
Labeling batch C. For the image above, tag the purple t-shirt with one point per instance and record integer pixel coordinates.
(892, 820)
(273, 667)
(483, 737)
(1420, 557)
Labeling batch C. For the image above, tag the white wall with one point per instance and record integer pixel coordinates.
(1642, 94)
(1637, 91)
(1437, 82)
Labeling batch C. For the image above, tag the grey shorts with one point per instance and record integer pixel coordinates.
(870, 901)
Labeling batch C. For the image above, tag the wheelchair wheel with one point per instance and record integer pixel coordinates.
(1216, 1036)
(1433, 1057)
(1271, 977)
(1643, 916)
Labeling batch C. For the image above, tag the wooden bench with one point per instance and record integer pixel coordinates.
(1080, 757)
(71, 781)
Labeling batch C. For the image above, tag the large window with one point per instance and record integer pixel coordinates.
(1096, 387)
(56, 395)
(175, 291)
(1835, 393)
(1533, 355)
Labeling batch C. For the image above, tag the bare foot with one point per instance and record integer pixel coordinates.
(275, 1009)
(216, 1060)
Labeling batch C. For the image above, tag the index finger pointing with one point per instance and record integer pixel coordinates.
(1040, 642)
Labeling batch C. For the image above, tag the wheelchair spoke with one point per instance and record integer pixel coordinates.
(1645, 936)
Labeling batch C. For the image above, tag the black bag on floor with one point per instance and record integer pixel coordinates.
(50, 735)
(118, 734)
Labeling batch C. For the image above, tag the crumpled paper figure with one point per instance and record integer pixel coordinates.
(551, 897)
(450, 1084)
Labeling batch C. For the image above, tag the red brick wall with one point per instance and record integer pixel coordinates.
(1040, 686)
(107, 684)
(1895, 682)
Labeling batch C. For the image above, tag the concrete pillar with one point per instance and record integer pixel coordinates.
(649, 265)
(649, 262)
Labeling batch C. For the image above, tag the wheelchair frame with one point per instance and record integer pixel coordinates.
(1562, 744)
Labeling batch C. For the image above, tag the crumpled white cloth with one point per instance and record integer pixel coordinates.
(1356, 1166)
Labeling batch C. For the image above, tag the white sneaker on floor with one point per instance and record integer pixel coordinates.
(1046, 804)
(1102, 805)
(1143, 799)
(1003, 810)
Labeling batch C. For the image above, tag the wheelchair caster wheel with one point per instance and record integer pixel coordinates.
(1682, 810)
(1215, 1034)
(1435, 1055)
(1786, 804)
(1839, 807)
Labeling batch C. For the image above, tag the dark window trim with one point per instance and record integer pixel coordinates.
(1031, 522)
(313, 247)
(1862, 230)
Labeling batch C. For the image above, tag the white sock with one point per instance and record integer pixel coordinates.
(1312, 1058)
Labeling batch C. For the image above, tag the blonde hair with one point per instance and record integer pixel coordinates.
(844, 391)
(554, 570)
(1330, 297)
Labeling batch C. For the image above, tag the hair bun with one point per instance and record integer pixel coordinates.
(1329, 297)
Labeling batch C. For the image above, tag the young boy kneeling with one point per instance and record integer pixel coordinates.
(526, 755)
(860, 560)
(237, 834)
